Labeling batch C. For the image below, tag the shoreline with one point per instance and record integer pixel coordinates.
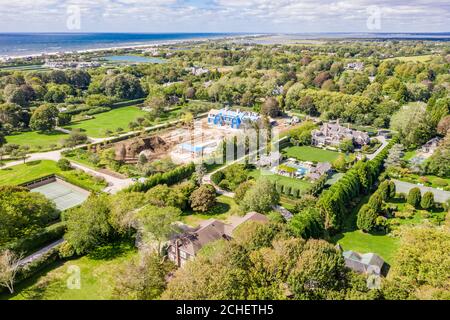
(154, 43)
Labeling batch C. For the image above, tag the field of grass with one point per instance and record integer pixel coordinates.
(98, 273)
(116, 118)
(307, 153)
(422, 58)
(286, 181)
(225, 208)
(409, 155)
(37, 141)
(383, 245)
(37, 169)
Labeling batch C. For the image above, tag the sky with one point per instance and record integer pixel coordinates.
(250, 16)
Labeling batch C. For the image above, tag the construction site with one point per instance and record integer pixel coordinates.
(183, 144)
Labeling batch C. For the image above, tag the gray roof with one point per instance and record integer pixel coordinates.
(368, 262)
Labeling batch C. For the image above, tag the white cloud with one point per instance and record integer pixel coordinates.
(225, 15)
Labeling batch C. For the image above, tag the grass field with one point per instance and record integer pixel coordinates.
(383, 245)
(422, 58)
(353, 239)
(37, 169)
(116, 118)
(37, 141)
(306, 153)
(286, 181)
(225, 208)
(98, 274)
(409, 155)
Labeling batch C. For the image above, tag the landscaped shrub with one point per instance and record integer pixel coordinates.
(295, 193)
(64, 164)
(36, 265)
(287, 190)
(366, 220)
(169, 178)
(217, 177)
(28, 245)
(414, 197)
(427, 201)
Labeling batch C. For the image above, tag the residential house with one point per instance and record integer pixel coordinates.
(357, 66)
(332, 134)
(230, 118)
(368, 263)
(430, 146)
(185, 247)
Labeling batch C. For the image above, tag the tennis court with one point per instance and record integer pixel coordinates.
(64, 194)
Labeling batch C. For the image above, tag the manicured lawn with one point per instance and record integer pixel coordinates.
(353, 239)
(383, 245)
(225, 208)
(306, 153)
(36, 140)
(286, 181)
(98, 276)
(37, 169)
(116, 118)
(409, 155)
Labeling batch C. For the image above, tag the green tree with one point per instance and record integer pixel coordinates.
(144, 279)
(64, 164)
(158, 224)
(242, 189)
(204, 198)
(89, 225)
(302, 134)
(347, 145)
(307, 224)
(319, 271)
(414, 197)
(44, 118)
(427, 201)
(23, 213)
(261, 197)
(270, 107)
(366, 219)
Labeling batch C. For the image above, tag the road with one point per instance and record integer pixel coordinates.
(439, 195)
(384, 143)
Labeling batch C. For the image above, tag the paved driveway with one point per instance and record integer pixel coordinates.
(439, 195)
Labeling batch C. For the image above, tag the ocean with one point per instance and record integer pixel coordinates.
(22, 44)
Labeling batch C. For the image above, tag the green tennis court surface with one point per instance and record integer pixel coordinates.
(63, 194)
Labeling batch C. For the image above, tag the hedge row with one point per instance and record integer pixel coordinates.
(169, 178)
(359, 180)
(314, 189)
(33, 243)
(127, 103)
